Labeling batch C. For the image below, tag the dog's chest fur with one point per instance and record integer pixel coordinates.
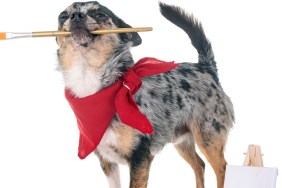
(118, 142)
(107, 145)
(82, 81)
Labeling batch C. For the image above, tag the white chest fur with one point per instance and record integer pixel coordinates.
(106, 150)
(81, 79)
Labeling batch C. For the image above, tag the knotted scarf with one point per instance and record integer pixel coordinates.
(94, 113)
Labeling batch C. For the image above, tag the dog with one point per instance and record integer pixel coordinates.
(186, 106)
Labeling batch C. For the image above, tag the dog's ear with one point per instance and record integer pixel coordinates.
(129, 37)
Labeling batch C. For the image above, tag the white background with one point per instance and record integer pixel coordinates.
(38, 131)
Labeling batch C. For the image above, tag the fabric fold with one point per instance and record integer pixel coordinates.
(94, 113)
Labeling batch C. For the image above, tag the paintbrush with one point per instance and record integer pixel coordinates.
(12, 35)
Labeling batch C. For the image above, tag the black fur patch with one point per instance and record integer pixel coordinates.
(170, 94)
(182, 72)
(186, 72)
(84, 45)
(139, 100)
(213, 86)
(180, 102)
(140, 153)
(217, 126)
(201, 101)
(145, 104)
(115, 117)
(185, 85)
(209, 93)
(167, 113)
(152, 93)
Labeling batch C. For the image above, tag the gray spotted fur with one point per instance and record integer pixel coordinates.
(187, 100)
(190, 93)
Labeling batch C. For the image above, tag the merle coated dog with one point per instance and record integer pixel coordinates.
(186, 106)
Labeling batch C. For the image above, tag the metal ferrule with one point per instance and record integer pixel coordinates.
(10, 35)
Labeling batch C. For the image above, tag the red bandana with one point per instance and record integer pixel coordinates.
(94, 113)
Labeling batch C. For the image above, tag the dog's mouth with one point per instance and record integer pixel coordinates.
(80, 32)
(82, 36)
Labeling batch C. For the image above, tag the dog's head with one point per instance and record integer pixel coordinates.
(89, 62)
(82, 17)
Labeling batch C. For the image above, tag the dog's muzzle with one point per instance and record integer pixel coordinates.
(77, 17)
(79, 29)
(78, 21)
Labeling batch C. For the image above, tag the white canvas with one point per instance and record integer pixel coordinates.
(250, 177)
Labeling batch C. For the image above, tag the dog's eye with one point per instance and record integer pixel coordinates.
(63, 16)
(100, 17)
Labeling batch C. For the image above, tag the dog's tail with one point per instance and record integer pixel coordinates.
(194, 30)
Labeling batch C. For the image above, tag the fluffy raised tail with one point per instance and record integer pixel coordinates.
(194, 30)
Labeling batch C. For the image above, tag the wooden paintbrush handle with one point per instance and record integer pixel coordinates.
(97, 32)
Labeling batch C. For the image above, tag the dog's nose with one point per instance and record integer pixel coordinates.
(77, 16)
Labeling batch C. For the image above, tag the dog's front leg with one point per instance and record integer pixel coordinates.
(111, 170)
(139, 171)
(139, 176)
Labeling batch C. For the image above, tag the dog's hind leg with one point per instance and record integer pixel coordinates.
(111, 170)
(186, 148)
(212, 146)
